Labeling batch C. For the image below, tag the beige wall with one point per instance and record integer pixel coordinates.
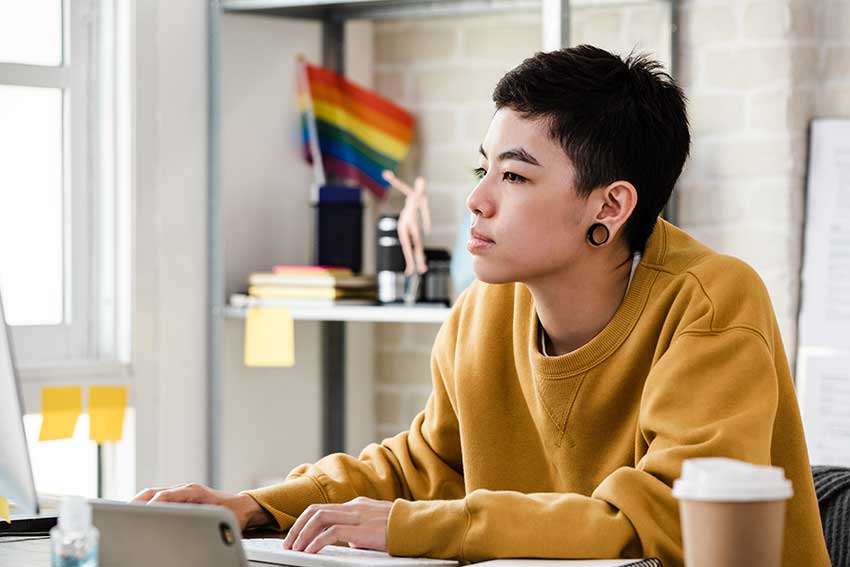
(744, 68)
(756, 72)
(170, 241)
(272, 417)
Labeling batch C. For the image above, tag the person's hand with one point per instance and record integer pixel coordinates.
(247, 511)
(362, 523)
(409, 234)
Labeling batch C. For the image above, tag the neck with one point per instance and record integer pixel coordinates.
(576, 303)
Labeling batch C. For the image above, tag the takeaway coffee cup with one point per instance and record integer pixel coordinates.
(732, 513)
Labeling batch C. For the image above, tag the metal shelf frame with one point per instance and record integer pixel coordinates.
(395, 9)
(333, 15)
(376, 9)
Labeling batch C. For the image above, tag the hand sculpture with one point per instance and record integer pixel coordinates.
(409, 233)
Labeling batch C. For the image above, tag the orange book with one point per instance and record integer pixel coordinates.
(317, 280)
(336, 271)
(267, 291)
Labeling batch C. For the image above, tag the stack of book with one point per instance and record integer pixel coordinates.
(307, 286)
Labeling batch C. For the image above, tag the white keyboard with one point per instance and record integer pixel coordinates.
(271, 551)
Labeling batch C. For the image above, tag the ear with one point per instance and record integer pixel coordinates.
(617, 201)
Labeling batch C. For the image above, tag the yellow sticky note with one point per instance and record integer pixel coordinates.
(4, 510)
(60, 408)
(269, 337)
(106, 412)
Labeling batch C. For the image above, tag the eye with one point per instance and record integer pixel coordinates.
(511, 177)
(479, 172)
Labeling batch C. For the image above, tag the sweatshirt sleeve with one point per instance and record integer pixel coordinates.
(710, 394)
(423, 463)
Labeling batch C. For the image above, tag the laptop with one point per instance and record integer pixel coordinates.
(30, 514)
(167, 535)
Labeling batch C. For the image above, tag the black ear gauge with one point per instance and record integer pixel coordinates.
(598, 234)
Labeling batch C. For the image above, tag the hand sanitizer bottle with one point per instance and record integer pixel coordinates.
(74, 540)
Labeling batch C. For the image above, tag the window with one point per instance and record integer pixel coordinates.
(65, 217)
(65, 466)
(60, 185)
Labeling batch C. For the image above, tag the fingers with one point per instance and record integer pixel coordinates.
(146, 494)
(361, 523)
(301, 522)
(334, 534)
(189, 493)
(177, 494)
(323, 520)
(299, 525)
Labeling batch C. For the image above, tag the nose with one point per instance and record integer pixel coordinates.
(480, 202)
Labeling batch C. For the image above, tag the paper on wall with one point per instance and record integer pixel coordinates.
(4, 510)
(824, 391)
(60, 408)
(269, 337)
(106, 412)
(823, 359)
(825, 297)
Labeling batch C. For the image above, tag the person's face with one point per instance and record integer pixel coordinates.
(528, 221)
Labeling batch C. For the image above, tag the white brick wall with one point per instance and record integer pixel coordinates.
(755, 72)
(832, 96)
(403, 372)
(737, 190)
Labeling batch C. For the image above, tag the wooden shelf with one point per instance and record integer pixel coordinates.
(420, 313)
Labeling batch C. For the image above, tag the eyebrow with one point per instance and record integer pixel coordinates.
(518, 154)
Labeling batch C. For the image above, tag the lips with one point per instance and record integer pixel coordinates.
(478, 242)
(480, 236)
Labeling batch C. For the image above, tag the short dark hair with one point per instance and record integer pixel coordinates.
(615, 119)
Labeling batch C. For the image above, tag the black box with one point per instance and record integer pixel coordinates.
(339, 227)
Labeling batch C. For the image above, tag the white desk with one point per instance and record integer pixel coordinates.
(32, 553)
(36, 553)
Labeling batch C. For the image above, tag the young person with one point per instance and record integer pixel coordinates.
(599, 348)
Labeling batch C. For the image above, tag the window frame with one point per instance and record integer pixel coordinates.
(98, 260)
(94, 335)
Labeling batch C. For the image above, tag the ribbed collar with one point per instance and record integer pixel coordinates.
(615, 332)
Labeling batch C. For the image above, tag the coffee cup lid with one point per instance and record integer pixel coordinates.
(727, 480)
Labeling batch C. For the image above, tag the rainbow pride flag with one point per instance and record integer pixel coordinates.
(360, 133)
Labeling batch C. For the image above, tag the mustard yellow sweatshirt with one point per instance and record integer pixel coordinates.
(522, 455)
